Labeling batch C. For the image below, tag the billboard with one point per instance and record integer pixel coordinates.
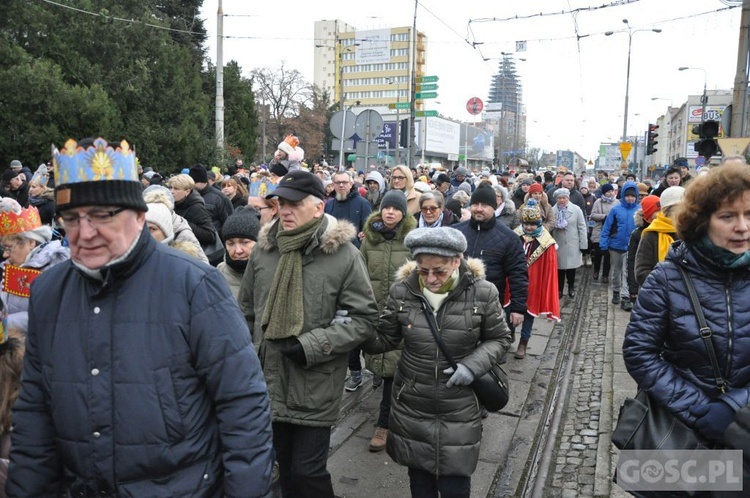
(374, 46)
(713, 113)
(442, 135)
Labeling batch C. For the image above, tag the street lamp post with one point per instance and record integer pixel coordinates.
(630, 32)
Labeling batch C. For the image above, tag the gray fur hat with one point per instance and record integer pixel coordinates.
(561, 191)
(441, 241)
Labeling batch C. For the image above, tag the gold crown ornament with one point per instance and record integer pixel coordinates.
(15, 220)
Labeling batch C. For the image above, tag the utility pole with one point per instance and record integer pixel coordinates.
(220, 78)
(413, 103)
(739, 97)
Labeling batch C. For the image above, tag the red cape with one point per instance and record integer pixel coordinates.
(543, 297)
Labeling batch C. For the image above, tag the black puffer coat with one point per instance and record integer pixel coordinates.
(501, 251)
(193, 209)
(663, 350)
(433, 427)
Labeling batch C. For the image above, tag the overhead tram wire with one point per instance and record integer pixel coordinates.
(120, 19)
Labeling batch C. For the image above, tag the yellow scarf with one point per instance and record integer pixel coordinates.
(664, 227)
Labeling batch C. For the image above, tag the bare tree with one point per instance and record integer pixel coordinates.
(286, 94)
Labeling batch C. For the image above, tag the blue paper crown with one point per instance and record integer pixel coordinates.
(100, 161)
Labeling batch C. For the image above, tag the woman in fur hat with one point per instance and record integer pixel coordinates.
(436, 422)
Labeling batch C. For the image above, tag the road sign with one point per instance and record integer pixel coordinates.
(425, 88)
(427, 79)
(733, 146)
(425, 95)
(625, 148)
(426, 114)
(400, 105)
(474, 105)
(368, 124)
(343, 128)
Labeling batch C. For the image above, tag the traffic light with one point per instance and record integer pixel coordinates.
(403, 135)
(707, 145)
(651, 142)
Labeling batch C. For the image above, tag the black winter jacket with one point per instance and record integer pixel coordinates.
(193, 209)
(663, 350)
(218, 205)
(142, 384)
(501, 251)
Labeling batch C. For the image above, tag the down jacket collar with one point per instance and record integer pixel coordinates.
(407, 224)
(693, 261)
(331, 235)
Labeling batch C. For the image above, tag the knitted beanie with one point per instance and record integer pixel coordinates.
(484, 195)
(561, 191)
(160, 215)
(607, 187)
(395, 199)
(650, 206)
(242, 224)
(95, 172)
(199, 173)
(536, 187)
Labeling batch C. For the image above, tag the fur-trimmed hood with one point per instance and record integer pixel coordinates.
(474, 265)
(406, 225)
(334, 234)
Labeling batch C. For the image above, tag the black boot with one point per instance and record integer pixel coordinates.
(615, 297)
(571, 292)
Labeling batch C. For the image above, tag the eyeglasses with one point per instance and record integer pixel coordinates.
(341, 183)
(439, 272)
(95, 218)
(398, 178)
(8, 248)
(429, 209)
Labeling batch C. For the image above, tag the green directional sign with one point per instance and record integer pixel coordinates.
(426, 114)
(425, 95)
(427, 79)
(400, 105)
(425, 88)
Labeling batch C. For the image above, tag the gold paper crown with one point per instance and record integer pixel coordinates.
(292, 140)
(99, 161)
(12, 223)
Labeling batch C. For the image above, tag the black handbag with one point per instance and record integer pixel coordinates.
(214, 251)
(492, 389)
(644, 424)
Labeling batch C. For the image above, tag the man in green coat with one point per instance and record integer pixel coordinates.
(303, 270)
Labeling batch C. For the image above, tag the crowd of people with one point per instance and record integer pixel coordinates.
(205, 381)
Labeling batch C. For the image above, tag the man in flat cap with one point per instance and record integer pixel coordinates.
(303, 273)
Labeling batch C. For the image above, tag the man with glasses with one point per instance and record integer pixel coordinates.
(348, 204)
(125, 388)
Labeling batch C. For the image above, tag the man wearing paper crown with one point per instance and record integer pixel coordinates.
(541, 257)
(29, 250)
(140, 378)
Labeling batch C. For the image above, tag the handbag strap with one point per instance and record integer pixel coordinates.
(432, 323)
(705, 330)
